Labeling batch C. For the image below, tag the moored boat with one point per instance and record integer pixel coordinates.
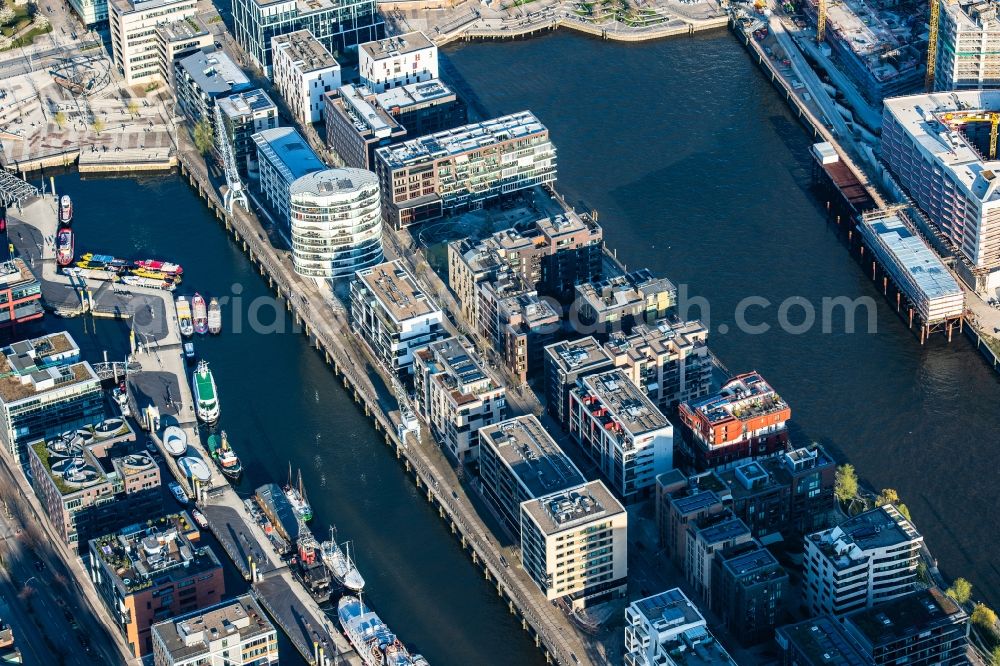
(297, 497)
(156, 265)
(214, 316)
(200, 314)
(184, 316)
(228, 461)
(151, 283)
(206, 397)
(178, 492)
(371, 637)
(338, 561)
(189, 354)
(65, 209)
(64, 246)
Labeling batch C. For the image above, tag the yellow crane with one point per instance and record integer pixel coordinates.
(932, 49)
(992, 118)
(821, 21)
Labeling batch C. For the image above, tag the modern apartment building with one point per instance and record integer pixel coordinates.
(204, 77)
(303, 72)
(565, 363)
(745, 420)
(707, 537)
(356, 125)
(925, 628)
(938, 148)
(20, 293)
(135, 45)
(152, 571)
(91, 12)
(45, 390)
(866, 561)
(519, 461)
(666, 629)
(574, 544)
(397, 61)
(336, 223)
(393, 316)
(245, 114)
(464, 167)
(617, 303)
(455, 396)
(178, 39)
(819, 641)
(669, 360)
(94, 479)
(424, 108)
(624, 433)
(525, 325)
(282, 157)
(750, 591)
(233, 633)
(338, 24)
(968, 40)
(683, 502)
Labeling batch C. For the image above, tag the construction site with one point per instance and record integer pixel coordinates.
(878, 44)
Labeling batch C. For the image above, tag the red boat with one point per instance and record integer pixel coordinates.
(64, 246)
(162, 266)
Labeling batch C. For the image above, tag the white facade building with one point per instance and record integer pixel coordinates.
(937, 148)
(392, 315)
(869, 559)
(574, 544)
(455, 396)
(622, 431)
(336, 222)
(666, 629)
(282, 157)
(397, 61)
(968, 41)
(233, 633)
(135, 44)
(303, 72)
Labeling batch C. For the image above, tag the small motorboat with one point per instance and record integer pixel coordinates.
(64, 246)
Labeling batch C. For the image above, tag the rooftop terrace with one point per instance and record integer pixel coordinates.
(623, 290)
(250, 102)
(397, 291)
(743, 397)
(188, 635)
(578, 355)
(906, 616)
(15, 273)
(853, 540)
(32, 367)
(396, 45)
(620, 401)
(564, 509)
(303, 49)
(412, 94)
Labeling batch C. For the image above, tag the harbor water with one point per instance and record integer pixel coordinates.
(699, 172)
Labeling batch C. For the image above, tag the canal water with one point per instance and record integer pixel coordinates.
(281, 404)
(698, 171)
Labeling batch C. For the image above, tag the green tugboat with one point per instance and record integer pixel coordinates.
(228, 461)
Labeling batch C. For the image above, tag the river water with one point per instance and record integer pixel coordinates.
(699, 172)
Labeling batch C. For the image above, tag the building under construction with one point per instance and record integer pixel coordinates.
(968, 39)
(879, 44)
(942, 149)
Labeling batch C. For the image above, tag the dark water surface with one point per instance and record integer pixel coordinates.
(699, 172)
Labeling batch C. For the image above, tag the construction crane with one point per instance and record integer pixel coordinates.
(821, 21)
(992, 118)
(932, 50)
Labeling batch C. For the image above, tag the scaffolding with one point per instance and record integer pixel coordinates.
(932, 47)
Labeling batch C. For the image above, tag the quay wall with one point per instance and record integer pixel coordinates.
(467, 529)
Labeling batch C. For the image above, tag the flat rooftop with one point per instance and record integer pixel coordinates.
(569, 508)
(660, 338)
(399, 99)
(334, 182)
(906, 617)
(973, 14)
(250, 102)
(848, 543)
(369, 119)
(697, 500)
(214, 72)
(751, 563)
(81, 459)
(285, 148)
(690, 643)
(525, 447)
(721, 527)
(396, 290)
(464, 139)
(915, 265)
(307, 52)
(822, 642)
(743, 397)
(579, 355)
(398, 45)
(15, 273)
(627, 404)
(32, 367)
(188, 636)
(933, 121)
(182, 29)
(624, 290)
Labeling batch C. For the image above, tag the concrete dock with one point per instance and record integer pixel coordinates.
(160, 379)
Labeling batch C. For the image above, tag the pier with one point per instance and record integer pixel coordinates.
(315, 309)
